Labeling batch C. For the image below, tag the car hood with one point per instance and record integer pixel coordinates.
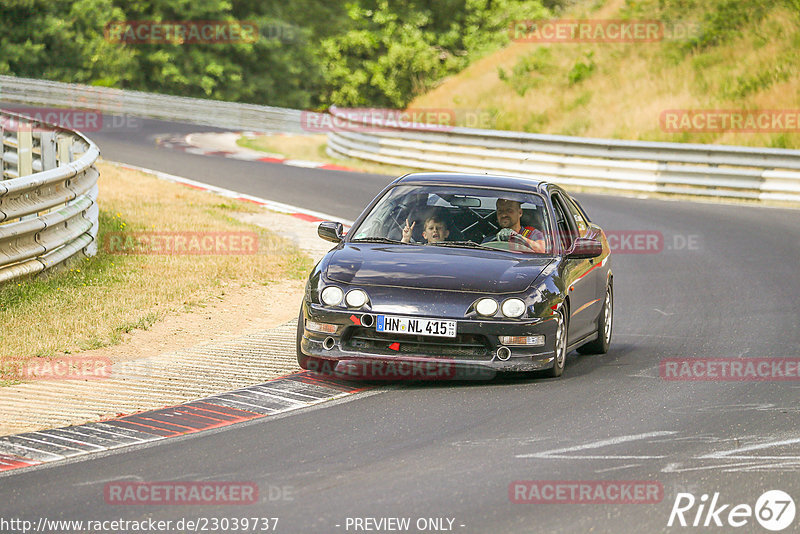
(431, 267)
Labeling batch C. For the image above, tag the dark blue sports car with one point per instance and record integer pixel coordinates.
(448, 275)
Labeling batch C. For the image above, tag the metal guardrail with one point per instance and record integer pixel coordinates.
(246, 117)
(675, 168)
(48, 196)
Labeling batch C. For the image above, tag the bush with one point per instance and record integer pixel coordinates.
(725, 21)
(530, 71)
(581, 70)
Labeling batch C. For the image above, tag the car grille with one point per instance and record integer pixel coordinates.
(461, 347)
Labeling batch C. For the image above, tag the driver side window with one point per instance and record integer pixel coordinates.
(564, 222)
(577, 217)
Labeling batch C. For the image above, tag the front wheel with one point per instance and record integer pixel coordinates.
(560, 345)
(604, 323)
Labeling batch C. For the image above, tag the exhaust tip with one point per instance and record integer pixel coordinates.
(329, 343)
(367, 320)
(503, 353)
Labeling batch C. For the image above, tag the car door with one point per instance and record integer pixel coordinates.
(581, 285)
(592, 231)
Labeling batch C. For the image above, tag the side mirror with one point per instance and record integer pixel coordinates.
(585, 248)
(331, 231)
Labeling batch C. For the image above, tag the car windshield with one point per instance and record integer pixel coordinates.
(451, 216)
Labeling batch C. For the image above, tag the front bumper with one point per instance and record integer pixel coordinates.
(473, 353)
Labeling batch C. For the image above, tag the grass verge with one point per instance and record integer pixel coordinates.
(95, 301)
(312, 148)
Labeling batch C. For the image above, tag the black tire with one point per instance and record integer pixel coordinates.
(604, 326)
(560, 344)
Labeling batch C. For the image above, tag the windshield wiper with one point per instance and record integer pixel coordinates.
(473, 244)
(470, 244)
(378, 240)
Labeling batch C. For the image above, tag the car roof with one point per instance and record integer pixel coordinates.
(466, 179)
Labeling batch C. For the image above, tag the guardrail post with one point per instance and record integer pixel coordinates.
(2, 148)
(64, 150)
(48, 146)
(25, 149)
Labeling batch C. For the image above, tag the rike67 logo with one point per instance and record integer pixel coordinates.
(774, 510)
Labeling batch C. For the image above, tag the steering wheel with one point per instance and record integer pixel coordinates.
(399, 215)
(499, 245)
(515, 239)
(397, 219)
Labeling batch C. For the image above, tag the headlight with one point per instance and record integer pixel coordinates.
(486, 307)
(332, 295)
(513, 308)
(356, 298)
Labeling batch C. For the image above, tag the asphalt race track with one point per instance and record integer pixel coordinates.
(722, 284)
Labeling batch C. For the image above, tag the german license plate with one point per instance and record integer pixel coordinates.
(415, 326)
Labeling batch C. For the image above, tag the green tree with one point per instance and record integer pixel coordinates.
(308, 53)
(395, 52)
(61, 41)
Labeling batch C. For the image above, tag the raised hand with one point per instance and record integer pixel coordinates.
(407, 232)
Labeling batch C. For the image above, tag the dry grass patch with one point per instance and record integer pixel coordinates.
(99, 299)
(619, 90)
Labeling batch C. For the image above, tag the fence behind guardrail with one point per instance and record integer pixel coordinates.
(674, 168)
(247, 117)
(48, 196)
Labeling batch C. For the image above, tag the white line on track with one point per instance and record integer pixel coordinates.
(736, 453)
(621, 467)
(559, 453)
